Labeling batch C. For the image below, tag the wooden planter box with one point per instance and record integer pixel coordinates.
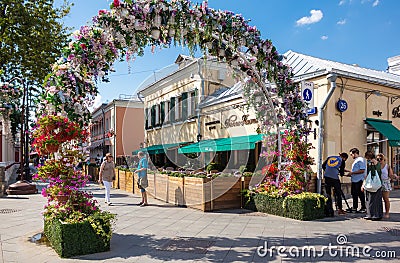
(116, 181)
(151, 188)
(197, 193)
(129, 182)
(161, 187)
(136, 189)
(70, 240)
(122, 180)
(176, 191)
(225, 193)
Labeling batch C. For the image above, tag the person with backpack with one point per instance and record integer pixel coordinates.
(333, 167)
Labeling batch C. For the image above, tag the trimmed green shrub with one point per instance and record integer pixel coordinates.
(247, 174)
(80, 238)
(212, 166)
(305, 206)
(248, 200)
(176, 174)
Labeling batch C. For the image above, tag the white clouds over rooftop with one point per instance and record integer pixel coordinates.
(315, 17)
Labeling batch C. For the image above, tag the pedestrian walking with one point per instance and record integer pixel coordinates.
(333, 167)
(107, 175)
(357, 175)
(387, 176)
(142, 177)
(373, 199)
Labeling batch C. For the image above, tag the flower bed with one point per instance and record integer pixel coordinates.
(305, 206)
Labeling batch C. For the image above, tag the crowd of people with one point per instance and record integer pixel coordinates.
(371, 200)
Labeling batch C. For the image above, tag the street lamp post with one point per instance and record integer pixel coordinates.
(104, 132)
(22, 186)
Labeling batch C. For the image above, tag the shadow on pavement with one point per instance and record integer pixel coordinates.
(213, 249)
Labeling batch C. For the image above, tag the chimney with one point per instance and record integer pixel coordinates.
(394, 65)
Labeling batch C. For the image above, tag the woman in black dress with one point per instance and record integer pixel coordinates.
(373, 199)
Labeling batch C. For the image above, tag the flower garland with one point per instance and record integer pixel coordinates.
(130, 26)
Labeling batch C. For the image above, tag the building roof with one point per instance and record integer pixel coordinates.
(223, 94)
(305, 66)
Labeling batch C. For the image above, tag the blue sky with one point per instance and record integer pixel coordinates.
(363, 32)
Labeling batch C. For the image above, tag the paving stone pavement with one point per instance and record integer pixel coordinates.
(161, 232)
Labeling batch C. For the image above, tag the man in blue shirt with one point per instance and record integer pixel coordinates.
(357, 174)
(333, 167)
(142, 177)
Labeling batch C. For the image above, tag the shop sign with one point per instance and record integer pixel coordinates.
(377, 113)
(233, 121)
(396, 112)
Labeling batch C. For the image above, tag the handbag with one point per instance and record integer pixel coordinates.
(142, 182)
(372, 183)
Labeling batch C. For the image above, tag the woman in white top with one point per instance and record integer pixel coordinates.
(387, 174)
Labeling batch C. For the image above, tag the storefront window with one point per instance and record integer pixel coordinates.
(375, 142)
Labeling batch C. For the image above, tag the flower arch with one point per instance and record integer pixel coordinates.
(128, 27)
(122, 33)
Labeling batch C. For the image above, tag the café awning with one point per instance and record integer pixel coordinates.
(387, 129)
(223, 144)
(156, 149)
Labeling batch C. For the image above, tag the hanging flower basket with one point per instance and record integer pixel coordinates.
(62, 198)
(51, 127)
(52, 148)
(157, 21)
(155, 33)
(171, 32)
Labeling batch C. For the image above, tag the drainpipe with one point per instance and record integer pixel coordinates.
(199, 136)
(332, 79)
(201, 99)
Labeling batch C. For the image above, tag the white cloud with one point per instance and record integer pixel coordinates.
(341, 22)
(342, 2)
(324, 37)
(316, 16)
(375, 3)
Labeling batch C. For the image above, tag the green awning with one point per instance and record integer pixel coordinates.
(223, 144)
(156, 149)
(387, 129)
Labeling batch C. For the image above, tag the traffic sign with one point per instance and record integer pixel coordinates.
(342, 105)
(307, 95)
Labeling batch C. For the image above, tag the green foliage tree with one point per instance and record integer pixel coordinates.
(32, 36)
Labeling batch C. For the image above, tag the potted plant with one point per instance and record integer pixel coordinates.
(73, 222)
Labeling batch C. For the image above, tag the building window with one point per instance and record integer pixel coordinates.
(375, 142)
(192, 104)
(178, 113)
(167, 109)
(157, 114)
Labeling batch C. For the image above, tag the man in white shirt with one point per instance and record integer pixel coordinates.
(357, 174)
